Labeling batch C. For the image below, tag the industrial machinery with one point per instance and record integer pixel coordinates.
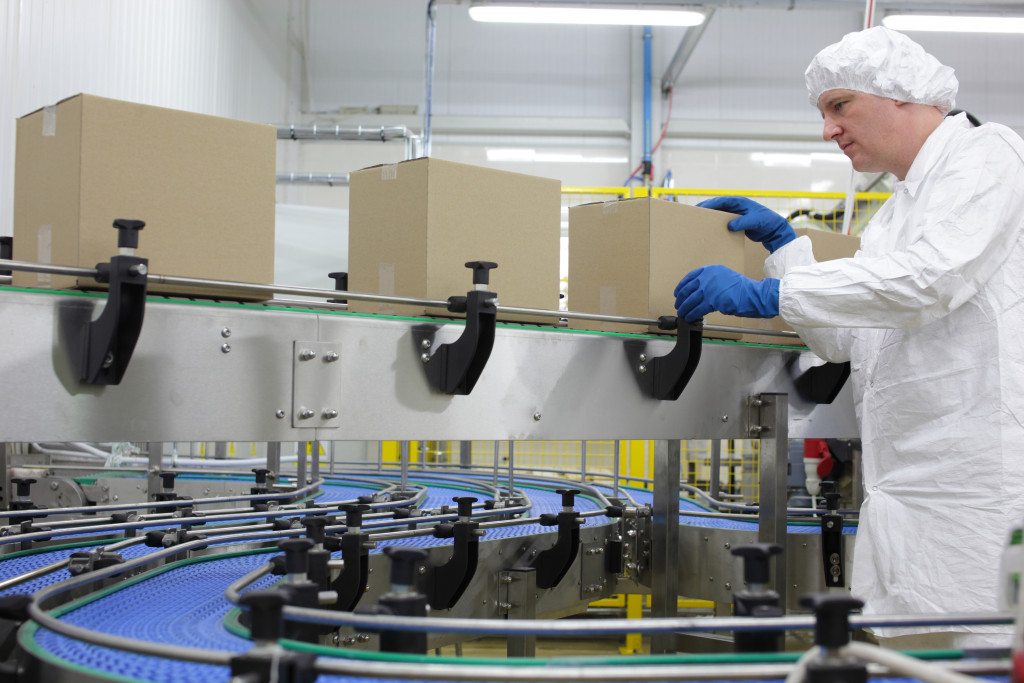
(132, 565)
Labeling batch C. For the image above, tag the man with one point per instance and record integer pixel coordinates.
(930, 312)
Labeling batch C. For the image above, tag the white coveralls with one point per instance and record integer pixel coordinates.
(930, 312)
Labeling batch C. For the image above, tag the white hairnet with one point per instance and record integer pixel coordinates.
(883, 62)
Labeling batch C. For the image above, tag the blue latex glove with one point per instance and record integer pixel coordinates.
(717, 288)
(760, 223)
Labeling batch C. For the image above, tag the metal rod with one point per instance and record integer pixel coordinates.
(244, 287)
(405, 465)
(615, 469)
(583, 460)
(511, 469)
(319, 132)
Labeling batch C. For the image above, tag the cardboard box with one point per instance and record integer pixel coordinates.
(826, 247)
(415, 224)
(204, 185)
(626, 257)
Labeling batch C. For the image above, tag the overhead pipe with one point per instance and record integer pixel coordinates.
(319, 132)
(646, 173)
(431, 38)
(683, 52)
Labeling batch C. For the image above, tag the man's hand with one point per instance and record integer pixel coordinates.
(760, 223)
(717, 288)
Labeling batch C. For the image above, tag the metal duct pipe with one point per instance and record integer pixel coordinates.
(319, 132)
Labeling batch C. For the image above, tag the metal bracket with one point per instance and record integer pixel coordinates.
(351, 582)
(105, 345)
(317, 387)
(822, 383)
(553, 563)
(665, 377)
(592, 571)
(449, 580)
(455, 368)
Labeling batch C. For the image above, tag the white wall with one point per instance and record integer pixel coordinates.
(223, 57)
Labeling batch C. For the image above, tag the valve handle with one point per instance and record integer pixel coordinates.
(465, 505)
(403, 563)
(296, 561)
(168, 479)
(24, 485)
(265, 608)
(354, 514)
(481, 271)
(340, 280)
(832, 500)
(315, 528)
(568, 496)
(832, 614)
(128, 232)
(261, 474)
(756, 558)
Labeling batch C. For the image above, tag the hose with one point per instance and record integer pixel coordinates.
(896, 662)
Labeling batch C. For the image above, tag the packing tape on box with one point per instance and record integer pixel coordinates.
(607, 304)
(44, 244)
(386, 285)
(50, 120)
(389, 172)
(610, 207)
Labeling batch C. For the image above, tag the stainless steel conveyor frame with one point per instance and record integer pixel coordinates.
(206, 371)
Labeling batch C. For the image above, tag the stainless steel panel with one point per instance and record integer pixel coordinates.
(188, 382)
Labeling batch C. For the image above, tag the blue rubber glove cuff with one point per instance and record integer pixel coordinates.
(756, 221)
(717, 288)
(778, 240)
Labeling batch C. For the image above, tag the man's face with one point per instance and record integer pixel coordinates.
(864, 126)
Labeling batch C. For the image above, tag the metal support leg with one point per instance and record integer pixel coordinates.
(774, 434)
(273, 461)
(154, 484)
(583, 461)
(716, 467)
(6, 453)
(665, 542)
(511, 468)
(330, 448)
(496, 468)
(465, 454)
(405, 464)
(615, 469)
(300, 464)
(519, 588)
(314, 463)
(220, 450)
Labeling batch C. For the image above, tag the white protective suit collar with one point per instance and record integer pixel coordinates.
(930, 153)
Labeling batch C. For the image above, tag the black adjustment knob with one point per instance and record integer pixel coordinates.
(403, 564)
(832, 613)
(315, 528)
(6, 250)
(340, 281)
(548, 519)
(832, 500)
(261, 474)
(128, 232)
(24, 486)
(489, 504)
(296, 560)
(168, 479)
(365, 500)
(465, 505)
(568, 496)
(755, 560)
(354, 515)
(481, 271)
(613, 511)
(265, 613)
(340, 285)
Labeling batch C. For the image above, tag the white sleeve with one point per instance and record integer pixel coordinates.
(829, 343)
(957, 233)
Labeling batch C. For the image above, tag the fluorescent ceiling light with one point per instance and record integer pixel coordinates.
(520, 154)
(952, 22)
(614, 15)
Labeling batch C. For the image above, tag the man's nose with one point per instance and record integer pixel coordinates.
(829, 130)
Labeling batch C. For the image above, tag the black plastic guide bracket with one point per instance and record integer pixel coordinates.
(340, 284)
(665, 377)
(554, 563)
(831, 632)
(832, 555)
(355, 551)
(6, 251)
(455, 368)
(757, 599)
(106, 344)
(822, 383)
(449, 580)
